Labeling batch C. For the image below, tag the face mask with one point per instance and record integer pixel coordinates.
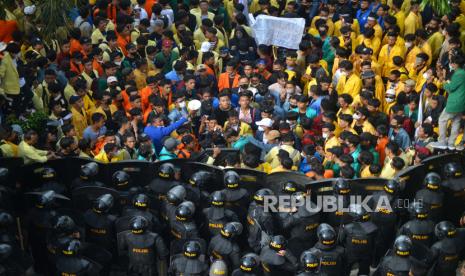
(408, 44)
(324, 135)
(444, 33)
(292, 106)
(418, 61)
(343, 74)
(181, 77)
(289, 91)
(425, 76)
(235, 127)
(260, 128)
(356, 116)
(182, 104)
(244, 86)
(451, 68)
(389, 100)
(118, 63)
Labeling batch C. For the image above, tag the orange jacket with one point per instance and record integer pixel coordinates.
(7, 30)
(74, 46)
(97, 66)
(223, 81)
(76, 68)
(148, 6)
(122, 42)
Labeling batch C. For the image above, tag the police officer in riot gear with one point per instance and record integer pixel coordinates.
(224, 246)
(48, 176)
(357, 238)
(419, 228)
(189, 261)
(398, 262)
(164, 182)
(184, 227)
(87, 176)
(195, 186)
(236, 197)
(301, 224)
(249, 266)
(173, 198)
(431, 195)
(69, 262)
(276, 260)
(6, 235)
(261, 224)
(216, 216)
(100, 225)
(121, 181)
(341, 188)
(447, 249)
(330, 254)
(309, 264)
(146, 250)
(41, 219)
(454, 184)
(385, 215)
(140, 207)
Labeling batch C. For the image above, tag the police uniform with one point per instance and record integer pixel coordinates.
(224, 247)
(273, 263)
(260, 224)
(447, 249)
(143, 248)
(189, 262)
(419, 228)
(331, 255)
(432, 196)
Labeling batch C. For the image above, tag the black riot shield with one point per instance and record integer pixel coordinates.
(178, 163)
(30, 175)
(13, 164)
(320, 187)
(216, 182)
(141, 172)
(96, 253)
(366, 186)
(30, 198)
(252, 180)
(435, 163)
(84, 197)
(411, 180)
(275, 181)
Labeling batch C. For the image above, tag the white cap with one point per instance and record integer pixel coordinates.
(266, 122)
(29, 10)
(194, 105)
(205, 47)
(112, 79)
(390, 92)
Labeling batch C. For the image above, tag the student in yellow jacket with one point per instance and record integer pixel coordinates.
(387, 53)
(349, 82)
(413, 19)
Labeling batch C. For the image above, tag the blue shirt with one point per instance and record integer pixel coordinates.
(158, 133)
(90, 135)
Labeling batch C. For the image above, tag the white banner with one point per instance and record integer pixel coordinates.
(278, 31)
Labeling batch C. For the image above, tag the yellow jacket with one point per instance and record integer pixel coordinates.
(9, 77)
(30, 154)
(351, 86)
(102, 157)
(412, 23)
(99, 109)
(329, 22)
(426, 48)
(338, 25)
(272, 156)
(79, 121)
(8, 149)
(385, 58)
(400, 16)
(373, 43)
(435, 41)
(366, 127)
(411, 56)
(244, 128)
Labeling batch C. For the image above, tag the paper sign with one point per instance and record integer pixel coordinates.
(278, 31)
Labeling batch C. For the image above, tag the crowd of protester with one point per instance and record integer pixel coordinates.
(374, 87)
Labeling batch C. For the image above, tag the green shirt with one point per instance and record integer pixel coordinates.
(168, 60)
